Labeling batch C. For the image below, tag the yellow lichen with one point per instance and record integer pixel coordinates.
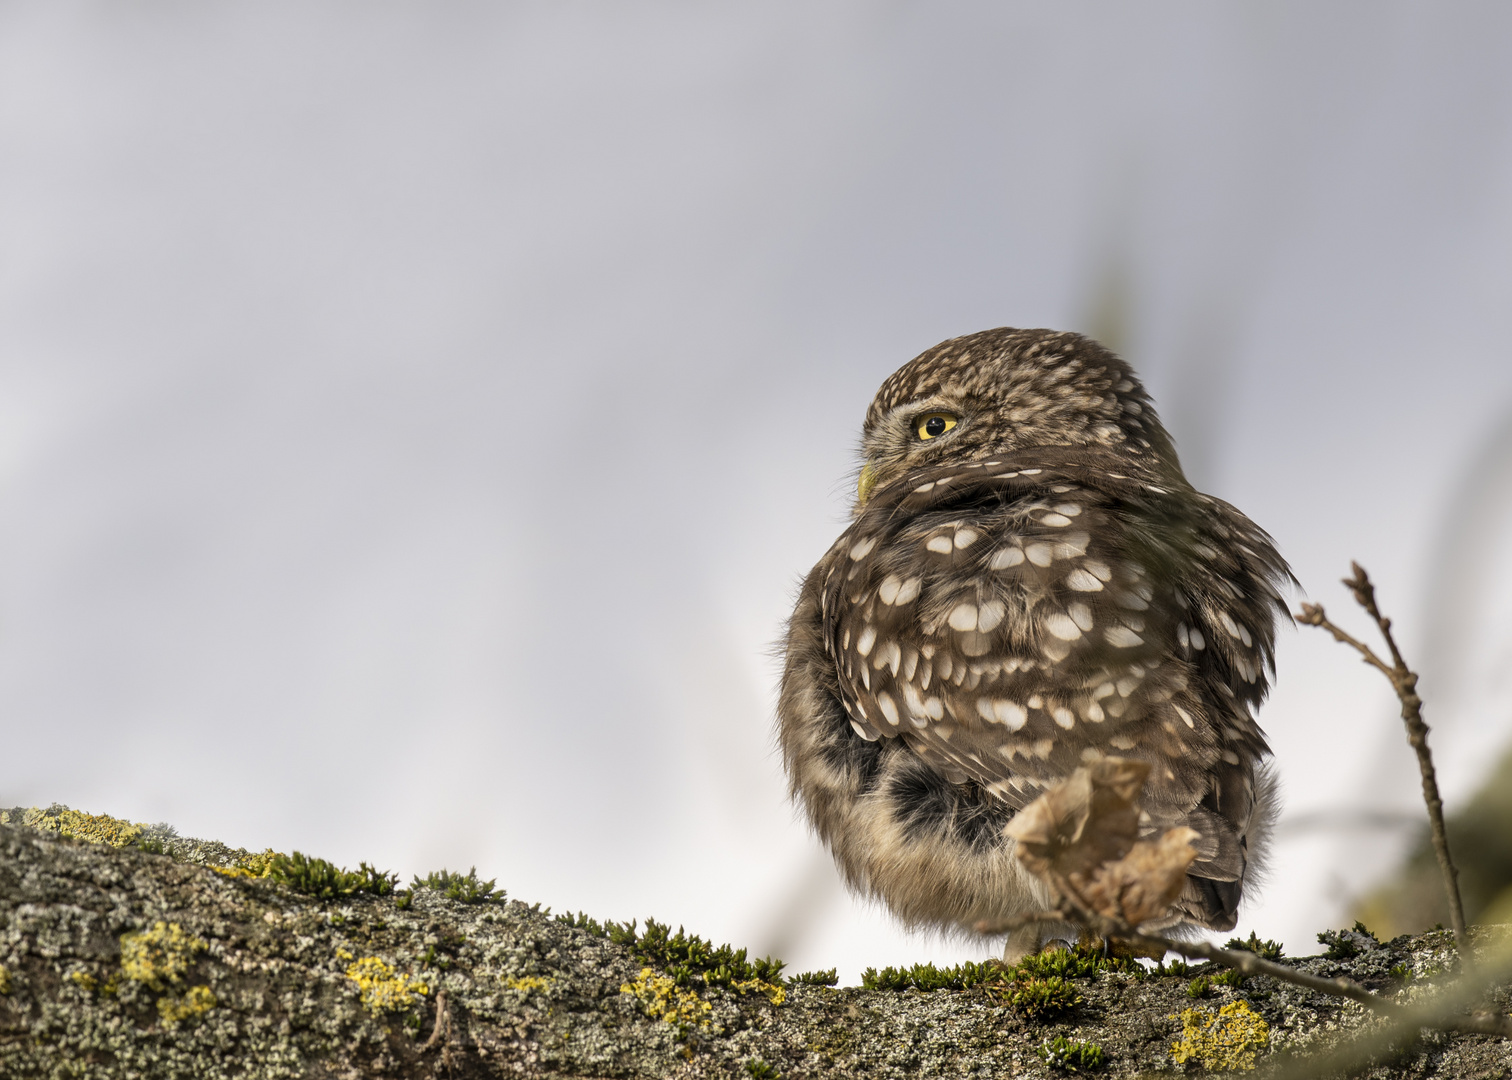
(1229, 1040)
(250, 866)
(87, 982)
(527, 983)
(774, 993)
(175, 1010)
(342, 954)
(5, 982)
(95, 828)
(160, 956)
(662, 999)
(381, 989)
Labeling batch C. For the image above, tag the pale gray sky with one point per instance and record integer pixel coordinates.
(414, 419)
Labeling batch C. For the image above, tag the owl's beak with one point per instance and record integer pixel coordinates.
(864, 485)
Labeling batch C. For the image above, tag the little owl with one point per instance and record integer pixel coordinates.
(1029, 584)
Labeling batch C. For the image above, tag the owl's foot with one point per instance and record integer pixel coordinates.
(1035, 938)
(1047, 936)
(1127, 950)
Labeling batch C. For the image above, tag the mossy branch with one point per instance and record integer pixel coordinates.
(222, 975)
(1404, 681)
(1243, 961)
(1442, 1011)
(1438, 1013)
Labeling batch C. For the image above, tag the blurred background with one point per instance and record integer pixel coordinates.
(415, 420)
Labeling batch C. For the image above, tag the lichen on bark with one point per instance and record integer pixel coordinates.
(119, 962)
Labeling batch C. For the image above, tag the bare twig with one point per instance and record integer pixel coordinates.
(1404, 681)
(442, 1031)
(1246, 963)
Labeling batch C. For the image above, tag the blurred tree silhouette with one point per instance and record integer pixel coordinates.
(1480, 836)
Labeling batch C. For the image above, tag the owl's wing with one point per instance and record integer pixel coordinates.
(1013, 619)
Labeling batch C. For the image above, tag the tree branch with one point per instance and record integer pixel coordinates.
(1404, 681)
(1247, 963)
(1436, 1013)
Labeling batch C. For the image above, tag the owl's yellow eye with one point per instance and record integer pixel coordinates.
(933, 425)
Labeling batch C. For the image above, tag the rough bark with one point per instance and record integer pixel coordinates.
(510, 991)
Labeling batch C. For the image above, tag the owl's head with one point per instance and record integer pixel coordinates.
(1006, 390)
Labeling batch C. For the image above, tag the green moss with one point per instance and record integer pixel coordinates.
(1202, 984)
(581, 921)
(1229, 1040)
(1043, 999)
(1071, 1056)
(691, 961)
(326, 881)
(1077, 963)
(1343, 944)
(1039, 986)
(1264, 948)
(757, 1069)
(383, 990)
(463, 888)
(828, 977)
(1338, 945)
(928, 977)
(619, 933)
(158, 958)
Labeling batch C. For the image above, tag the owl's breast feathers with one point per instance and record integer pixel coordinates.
(1008, 620)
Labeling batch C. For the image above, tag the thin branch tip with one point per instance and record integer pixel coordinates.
(1404, 681)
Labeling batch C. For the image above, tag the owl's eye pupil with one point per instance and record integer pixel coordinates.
(933, 425)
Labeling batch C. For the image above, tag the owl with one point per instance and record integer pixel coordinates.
(1028, 584)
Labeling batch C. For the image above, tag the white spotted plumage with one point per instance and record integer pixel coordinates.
(1037, 590)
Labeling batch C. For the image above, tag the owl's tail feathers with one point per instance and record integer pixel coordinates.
(1216, 885)
(1209, 903)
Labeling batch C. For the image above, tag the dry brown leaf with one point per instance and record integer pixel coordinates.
(1083, 834)
(1144, 883)
(1088, 819)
